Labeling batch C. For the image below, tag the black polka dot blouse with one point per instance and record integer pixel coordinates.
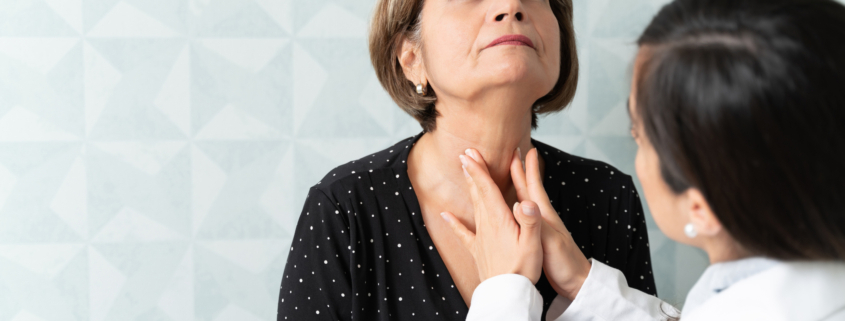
(361, 250)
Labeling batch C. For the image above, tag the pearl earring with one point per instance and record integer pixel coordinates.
(690, 231)
(420, 89)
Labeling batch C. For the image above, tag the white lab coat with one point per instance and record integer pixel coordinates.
(778, 291)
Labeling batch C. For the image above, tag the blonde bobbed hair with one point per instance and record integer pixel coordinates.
(396, 20)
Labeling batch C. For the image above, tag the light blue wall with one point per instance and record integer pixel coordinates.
(154, 154)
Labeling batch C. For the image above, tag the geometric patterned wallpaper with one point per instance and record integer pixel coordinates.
(155, 154)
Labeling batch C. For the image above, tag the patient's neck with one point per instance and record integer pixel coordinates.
(495, 131)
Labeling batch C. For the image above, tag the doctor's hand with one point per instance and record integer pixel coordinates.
(563, 262)
(505, 241)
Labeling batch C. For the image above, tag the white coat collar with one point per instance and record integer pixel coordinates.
(720, 276)
(786, 291)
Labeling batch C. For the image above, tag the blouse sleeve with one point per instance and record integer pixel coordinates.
(638, 263)
(316, 284)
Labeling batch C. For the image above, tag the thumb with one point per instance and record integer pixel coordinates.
(466, 236)
(527, 214)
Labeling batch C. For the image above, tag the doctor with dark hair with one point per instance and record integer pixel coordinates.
(738, 109)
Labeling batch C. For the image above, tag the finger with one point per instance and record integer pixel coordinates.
(518, 177)
(489, 195)
(477, 204)
(480, 209)
(530, 223)
(537, 191)
(466, 236)
(534, 180)
(476, 156)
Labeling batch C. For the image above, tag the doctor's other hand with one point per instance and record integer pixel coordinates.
(563, 262)
(505, 241)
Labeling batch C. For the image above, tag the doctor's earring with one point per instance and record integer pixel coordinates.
(690, 231)
(420, 89)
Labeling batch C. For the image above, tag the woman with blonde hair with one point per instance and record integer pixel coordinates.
(370, 243)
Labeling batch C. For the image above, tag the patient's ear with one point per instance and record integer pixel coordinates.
(410, 58)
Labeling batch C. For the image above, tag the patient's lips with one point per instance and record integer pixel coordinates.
(511, 40)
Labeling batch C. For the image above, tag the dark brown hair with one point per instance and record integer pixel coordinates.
(395, 20)
(745, 101)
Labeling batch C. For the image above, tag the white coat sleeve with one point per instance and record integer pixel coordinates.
(605, 296)
(507, 297)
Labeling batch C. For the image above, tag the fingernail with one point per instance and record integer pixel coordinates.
(514, 206)
(463, 160)
(527, 210)
(470, 153)
(519, 152)
(464, 167)
(445, 217)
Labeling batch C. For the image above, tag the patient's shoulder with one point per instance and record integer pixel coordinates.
(391, 159)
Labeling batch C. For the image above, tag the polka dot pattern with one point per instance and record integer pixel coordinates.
(359, 252)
